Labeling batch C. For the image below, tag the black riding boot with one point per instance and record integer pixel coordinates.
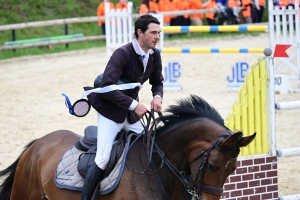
(92, 179)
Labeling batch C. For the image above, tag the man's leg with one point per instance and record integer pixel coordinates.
(91, 181)
(107, 131)
(137, 127)
(196, 21)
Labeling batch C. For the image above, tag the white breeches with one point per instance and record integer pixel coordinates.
(107, 132)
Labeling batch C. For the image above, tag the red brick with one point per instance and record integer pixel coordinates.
(230, 186)
(226, 181)
(225, 195)
(242, 185)
(275, 180)
(236, 193)
(241, 170)
(260, 190)
(265, 167)
(267, 196)
(272, 188)
(271, 159)
(242, 198)
(233, 173)
(238, 164)
(275, 194)
(267, 181)
(235, 179)
(274, 166)
(254, 183)
(260, 175)
(247, 162)
(247, 177)
(271, 173)
(248, 191)
(255, 197)
(253, 169)
(259, 161)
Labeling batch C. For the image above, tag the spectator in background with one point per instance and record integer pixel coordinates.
(148, 6)
(224, 12)
(154, 6)
(259, 7)
(183, 5)
(196, 19)
(101, 12)
(246, 4)
(233, 6)
(122, 4)
(165, 6)
(175, 20)
(282, 3)
(210, 16)
(144, 7)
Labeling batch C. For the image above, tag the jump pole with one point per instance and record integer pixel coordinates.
(228, 28)
(288, 152)
(291, 105)
(211, 50)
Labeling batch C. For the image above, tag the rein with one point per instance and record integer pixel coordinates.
(149, 134)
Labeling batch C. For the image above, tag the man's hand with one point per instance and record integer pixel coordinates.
(156, 104)
(140, 110)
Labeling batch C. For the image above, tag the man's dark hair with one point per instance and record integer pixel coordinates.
(142, 23)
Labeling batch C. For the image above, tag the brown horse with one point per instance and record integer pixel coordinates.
(193, 142)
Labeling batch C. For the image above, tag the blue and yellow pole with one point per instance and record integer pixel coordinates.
(211, 50)
(229, 28)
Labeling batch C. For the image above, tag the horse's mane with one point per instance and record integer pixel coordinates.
(190, 108)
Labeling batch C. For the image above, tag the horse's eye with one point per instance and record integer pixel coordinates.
(211, 167)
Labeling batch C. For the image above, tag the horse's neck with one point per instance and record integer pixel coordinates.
(177, 142)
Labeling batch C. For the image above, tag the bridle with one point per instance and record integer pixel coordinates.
(149, 134)
(203, 165)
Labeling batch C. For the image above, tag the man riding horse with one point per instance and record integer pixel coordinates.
(137, 61)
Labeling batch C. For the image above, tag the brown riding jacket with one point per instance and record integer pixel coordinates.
(126, 63)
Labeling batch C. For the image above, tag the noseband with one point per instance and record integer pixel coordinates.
(203, 166)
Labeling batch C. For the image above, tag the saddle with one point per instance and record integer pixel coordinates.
(88, 144)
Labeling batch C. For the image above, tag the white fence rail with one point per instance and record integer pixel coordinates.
(48, 43)
(291, 105)
(288, 152)
(92, 19)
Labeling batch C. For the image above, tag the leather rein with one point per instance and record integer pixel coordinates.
(149, 134)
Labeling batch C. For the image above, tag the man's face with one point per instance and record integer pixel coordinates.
(149, 39)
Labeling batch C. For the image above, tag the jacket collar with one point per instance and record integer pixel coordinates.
(136, 47)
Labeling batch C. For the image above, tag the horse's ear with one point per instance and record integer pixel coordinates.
(247, 140)
(232, 139)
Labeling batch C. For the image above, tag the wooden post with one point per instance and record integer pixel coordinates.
(13, 37)
(66, 33)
